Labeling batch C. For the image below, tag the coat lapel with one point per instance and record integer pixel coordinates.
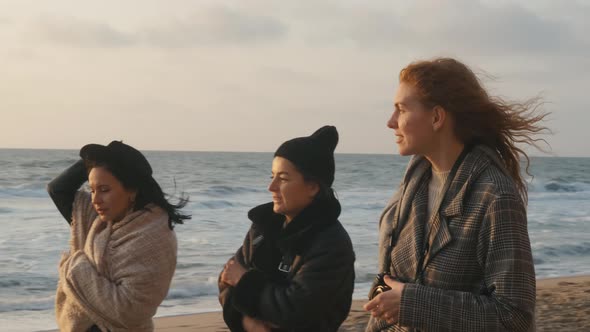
(468, 171)
(408, 249)
(440, 237)
(418, 218)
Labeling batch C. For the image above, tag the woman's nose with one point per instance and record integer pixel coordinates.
(392, 123)
(272, 187)
(96, 199)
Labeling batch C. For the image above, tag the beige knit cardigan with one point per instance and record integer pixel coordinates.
(116, 274)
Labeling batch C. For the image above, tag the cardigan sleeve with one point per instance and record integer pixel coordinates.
(137, 286)
(507, 301)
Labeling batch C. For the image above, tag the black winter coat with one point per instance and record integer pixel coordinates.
(300, 277)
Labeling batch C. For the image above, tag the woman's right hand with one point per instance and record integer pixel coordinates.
(232, 272)
(254, 325)
(386, 305)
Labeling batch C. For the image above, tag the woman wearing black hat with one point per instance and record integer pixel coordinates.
(295, 269)
(122, 249)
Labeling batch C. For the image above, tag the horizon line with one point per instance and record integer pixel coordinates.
(547, 155)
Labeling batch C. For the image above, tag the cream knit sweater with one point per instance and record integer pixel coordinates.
(116, 274)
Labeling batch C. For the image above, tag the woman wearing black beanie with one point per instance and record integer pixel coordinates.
(295, 269)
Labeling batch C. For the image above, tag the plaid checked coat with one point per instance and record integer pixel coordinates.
(477, 273)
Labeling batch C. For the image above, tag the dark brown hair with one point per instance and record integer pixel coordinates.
(148, 191)
(478, 118)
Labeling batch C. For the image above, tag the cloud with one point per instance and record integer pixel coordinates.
(208, 26)
(427, 26)
(488, 30)
(362, 27)
(82, 33)
(216, 26)
(461, 26)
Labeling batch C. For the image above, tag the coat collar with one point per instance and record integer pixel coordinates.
(475, 162)
(299, 232)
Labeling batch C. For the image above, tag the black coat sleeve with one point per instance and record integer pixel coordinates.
(63, 188)
(231, 316)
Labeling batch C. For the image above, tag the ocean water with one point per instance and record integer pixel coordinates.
(222, 188)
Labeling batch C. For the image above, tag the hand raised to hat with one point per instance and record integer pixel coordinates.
(385, 306)
(232, 272)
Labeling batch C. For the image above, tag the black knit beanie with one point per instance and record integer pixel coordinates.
(313, 155)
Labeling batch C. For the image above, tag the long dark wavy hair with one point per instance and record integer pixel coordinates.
(478, 117)
(148, 191)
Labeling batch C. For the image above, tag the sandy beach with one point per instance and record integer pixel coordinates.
(563, 304)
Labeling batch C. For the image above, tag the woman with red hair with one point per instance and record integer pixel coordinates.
(454, 250)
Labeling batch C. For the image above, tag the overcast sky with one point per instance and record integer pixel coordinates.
(247, 75)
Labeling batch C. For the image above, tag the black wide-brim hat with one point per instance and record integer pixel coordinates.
(126, 160)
